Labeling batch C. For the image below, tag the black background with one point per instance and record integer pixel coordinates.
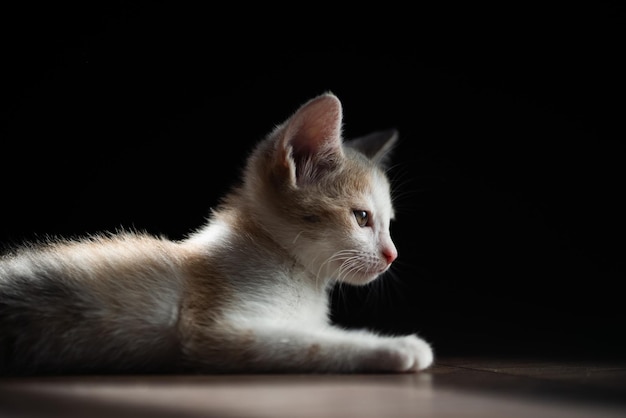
(509, 174)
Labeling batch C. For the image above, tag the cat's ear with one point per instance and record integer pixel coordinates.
(377, 146)
(310, 144)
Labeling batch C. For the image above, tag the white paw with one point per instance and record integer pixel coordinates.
(406, 354)
(420, 353)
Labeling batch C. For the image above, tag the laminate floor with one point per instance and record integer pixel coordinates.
(453, 387)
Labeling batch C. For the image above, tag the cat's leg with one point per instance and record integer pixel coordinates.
(267, 347)
(336, 350)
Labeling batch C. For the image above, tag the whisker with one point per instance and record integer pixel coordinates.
(297, 236)
(345, 256)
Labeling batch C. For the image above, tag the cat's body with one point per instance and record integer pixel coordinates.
(248, 292)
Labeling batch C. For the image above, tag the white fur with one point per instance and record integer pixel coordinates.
(215, 232)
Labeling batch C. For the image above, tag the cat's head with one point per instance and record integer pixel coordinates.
(326, 201)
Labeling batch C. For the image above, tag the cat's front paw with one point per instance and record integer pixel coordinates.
(407, 354)
(422, 353)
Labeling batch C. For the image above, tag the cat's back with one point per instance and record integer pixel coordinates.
(97, 260)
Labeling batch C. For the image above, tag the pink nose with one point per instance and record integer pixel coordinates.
(390, 254)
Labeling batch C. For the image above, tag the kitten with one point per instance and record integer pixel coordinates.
(247, 292)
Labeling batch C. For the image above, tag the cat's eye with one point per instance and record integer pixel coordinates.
(362, 217)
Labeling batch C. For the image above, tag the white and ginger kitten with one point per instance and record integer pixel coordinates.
(247, 292)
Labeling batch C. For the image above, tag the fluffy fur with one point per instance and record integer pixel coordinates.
(247, 292)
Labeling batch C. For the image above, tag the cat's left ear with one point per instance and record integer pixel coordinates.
(377, 146)
(311, 141)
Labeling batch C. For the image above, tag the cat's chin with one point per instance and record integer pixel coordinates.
(361, 280)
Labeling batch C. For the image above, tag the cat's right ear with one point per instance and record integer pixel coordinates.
(376, 146)
(310, 142)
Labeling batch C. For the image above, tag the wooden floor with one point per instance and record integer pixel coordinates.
(454, 387)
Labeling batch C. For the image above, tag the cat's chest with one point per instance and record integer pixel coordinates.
(285, 298)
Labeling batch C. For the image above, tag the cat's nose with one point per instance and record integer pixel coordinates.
(390, 254)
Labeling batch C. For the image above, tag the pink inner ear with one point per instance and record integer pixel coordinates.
(315, 129)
